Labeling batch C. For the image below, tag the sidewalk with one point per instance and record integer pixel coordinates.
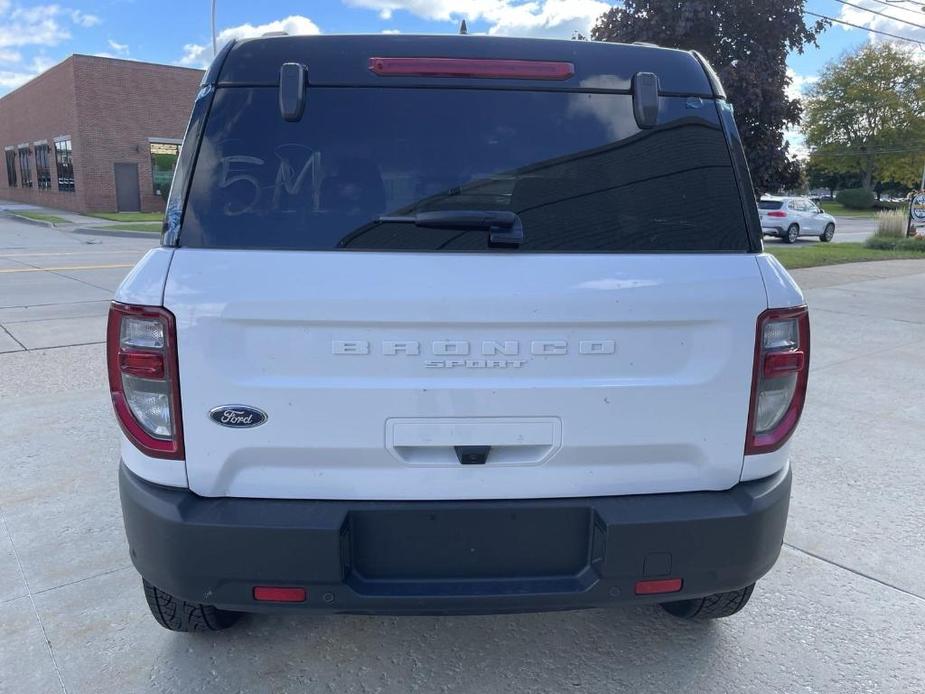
(72, 221)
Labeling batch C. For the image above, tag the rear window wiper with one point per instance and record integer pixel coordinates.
(504, 228)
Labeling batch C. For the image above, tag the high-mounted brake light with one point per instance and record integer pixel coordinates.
(473, 67)
(779, 378)
(141, 350)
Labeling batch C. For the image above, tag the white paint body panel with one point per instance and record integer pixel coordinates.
(144, 284)
(635, 371)
(170, 473)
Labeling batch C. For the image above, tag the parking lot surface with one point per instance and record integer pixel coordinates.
(843, 610)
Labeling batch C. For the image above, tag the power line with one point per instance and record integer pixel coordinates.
(896, 3)
(858, 26)
(882, 14)
(869, 152)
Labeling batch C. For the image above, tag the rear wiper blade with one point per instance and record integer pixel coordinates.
(504, 228)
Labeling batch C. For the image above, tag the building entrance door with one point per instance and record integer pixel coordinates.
(128, 198)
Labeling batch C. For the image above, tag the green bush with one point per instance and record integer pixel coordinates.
(891, 243)
(856, 198)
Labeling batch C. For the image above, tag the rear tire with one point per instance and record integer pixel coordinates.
(714, 606)
(828, 233)
(179, 615)
(793, 233)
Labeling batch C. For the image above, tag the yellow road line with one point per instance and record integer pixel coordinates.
(62, 269)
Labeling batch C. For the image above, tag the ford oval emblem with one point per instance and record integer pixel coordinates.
(237, 416)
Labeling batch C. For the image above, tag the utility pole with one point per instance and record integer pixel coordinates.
(213, 30)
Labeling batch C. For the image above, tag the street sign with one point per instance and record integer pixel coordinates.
(917, 215)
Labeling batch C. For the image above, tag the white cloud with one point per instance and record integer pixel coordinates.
(897, 19)
(31, 26)
(798, 83)
(10, 79)
(560, 18)
(9, 56)
(119, 48)
(797, 142)
(84, 19)
(199, 55)
(391, 31)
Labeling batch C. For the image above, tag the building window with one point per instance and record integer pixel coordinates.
(65, 165)
(25, 167)
(163, 161)
(42, 172)
(11, 167)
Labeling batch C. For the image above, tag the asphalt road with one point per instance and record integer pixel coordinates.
(842, 611)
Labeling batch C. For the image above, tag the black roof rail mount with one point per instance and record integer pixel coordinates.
(292, 79)
(645, 99)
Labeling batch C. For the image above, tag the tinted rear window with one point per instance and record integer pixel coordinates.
(770, 204)
(574, 167)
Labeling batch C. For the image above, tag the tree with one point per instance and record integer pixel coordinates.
(747, 43)
(819, 175)
(866, 115)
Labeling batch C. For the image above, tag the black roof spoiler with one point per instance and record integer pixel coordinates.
(715, 84)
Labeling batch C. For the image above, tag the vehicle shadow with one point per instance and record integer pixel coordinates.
(635, 649)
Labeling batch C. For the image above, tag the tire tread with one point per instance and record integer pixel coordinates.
(716, 606)
(179, 615)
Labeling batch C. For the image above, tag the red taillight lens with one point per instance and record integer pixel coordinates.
(777, 213)
(472, 67)
(141, 364)
(141, 352)
(779, 378)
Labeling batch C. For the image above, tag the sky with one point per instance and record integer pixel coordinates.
(35, 35)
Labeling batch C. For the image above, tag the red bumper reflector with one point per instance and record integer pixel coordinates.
(473, 67)
(782, 363)
(278, 594)
(659, 585)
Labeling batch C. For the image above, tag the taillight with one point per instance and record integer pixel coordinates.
(472, 67)
(779, 378)
(777, 213)
(141, 350)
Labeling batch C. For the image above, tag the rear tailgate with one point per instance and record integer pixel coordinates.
(586, 374)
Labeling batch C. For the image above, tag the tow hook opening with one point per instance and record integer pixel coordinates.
(472, 455)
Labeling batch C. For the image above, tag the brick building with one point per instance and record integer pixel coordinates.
(95, 134)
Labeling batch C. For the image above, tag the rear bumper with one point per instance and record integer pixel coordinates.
(768, 230)
(452, 557)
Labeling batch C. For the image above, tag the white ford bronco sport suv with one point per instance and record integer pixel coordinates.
(456, 325)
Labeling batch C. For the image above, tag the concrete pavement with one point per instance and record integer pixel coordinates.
(843, 610)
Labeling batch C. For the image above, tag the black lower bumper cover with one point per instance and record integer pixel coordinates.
(452, 556)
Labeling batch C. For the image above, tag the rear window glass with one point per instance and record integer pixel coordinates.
(770, 204)
(573, 166)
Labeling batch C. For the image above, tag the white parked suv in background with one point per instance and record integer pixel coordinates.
(426, 335)
(790, 218)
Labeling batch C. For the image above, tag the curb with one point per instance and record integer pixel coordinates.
(35, 222)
